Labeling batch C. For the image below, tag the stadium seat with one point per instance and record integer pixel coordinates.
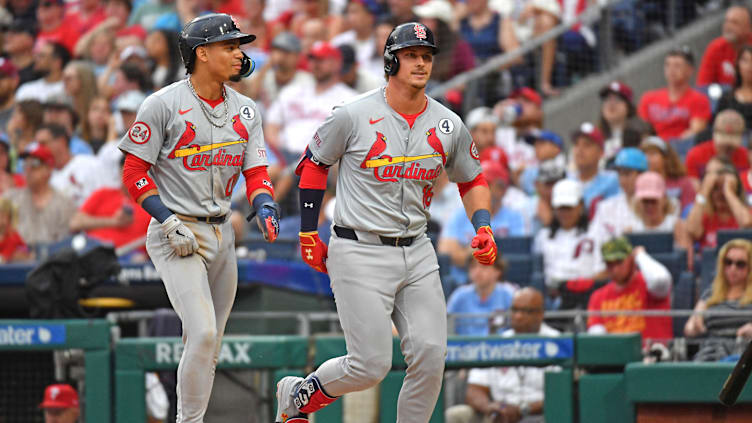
(725, 236)
(448, 284)
(519, 268)
(675, 261)
(707, 269)
(683, 299)
(514, 244)
(655, 242)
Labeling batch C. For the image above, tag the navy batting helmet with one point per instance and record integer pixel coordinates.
(211, 28)
(406, 35)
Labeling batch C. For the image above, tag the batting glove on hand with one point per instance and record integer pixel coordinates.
(181, 238)
(267, 219)
(313, 250)
(486, 246)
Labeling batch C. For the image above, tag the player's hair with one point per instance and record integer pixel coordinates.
(719, 287)
(57, 131)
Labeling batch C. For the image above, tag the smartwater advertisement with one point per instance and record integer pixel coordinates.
(32, 334)
(510, 349)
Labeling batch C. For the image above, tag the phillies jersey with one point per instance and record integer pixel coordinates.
(387, 169)
(195, 164)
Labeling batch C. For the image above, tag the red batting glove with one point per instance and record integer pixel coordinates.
(313, 250)
(486, 246)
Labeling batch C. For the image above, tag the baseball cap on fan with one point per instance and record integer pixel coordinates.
(494, 172)
(650, 185)
(7, 68)
(129, 101)
(59, 395)
(566, 193)
(528, 94)
(619, 88)
(324, 50)
(287, 41)
(40, 152)
(590, 131)
(435, 9)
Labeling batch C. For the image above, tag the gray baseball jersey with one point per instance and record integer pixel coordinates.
(387, 169)
(196, 164)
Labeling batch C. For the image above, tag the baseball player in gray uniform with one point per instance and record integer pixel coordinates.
(391, 145)
(184, 154)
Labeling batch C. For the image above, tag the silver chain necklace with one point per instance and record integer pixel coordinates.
(210, 116)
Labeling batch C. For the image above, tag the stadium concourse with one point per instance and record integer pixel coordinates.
(635, 220)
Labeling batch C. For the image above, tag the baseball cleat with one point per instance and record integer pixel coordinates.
(287, 412)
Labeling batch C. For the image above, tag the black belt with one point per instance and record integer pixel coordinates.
(213, 220)
(348, 233)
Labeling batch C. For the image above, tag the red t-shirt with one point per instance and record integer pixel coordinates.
(633, 296)
(10, 243)
(669, 119)
(105, 202)
(699, 156)
(84, 25)
(718, 63)
(711, 224)
(65, 34)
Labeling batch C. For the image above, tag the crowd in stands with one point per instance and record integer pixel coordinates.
(669, 160)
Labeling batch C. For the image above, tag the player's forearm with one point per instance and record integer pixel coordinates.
(85, 222)
(477, 198)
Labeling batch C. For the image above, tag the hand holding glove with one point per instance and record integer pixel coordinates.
(486, 246)
(313, 250)
(180, 237)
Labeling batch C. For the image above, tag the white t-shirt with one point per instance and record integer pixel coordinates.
(570, 254)
(519, 153)
(40, 90)
(364, 49)
(514, 385)
(516, 199)
(613, 217)
(79, 178)
(270, 89)
(300, 110)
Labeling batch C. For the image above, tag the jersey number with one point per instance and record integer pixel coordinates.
(231, 184)
(427, 196)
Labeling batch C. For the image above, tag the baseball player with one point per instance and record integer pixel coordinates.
(391, 145)
(184, 153)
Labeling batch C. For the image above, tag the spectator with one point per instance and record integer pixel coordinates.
(12, 246)
(149, 12)
(656, 212)
(519, 114)
(568, 247)
(96, 127)
(730, 291)
(60, 404)
(718, 61)
(740, 97)
(253, 23)
(617, 108)
(317, 9)
(76, 176)
(663, 159)
(484, 294)
(457, 54)
(351, 74)
(509, 394)
(402, 10)
(23, 124)
(118, 13)
(382, 30)
(80, 86)
(162, 49)
(548, 146)
(300, 109)
(728, 130)
(458, 233)
(549, 173)
(615, 216)
(522, 21)
(482, 123)
(677, 112)
(86, 16)
(281, 71)
(97, 47)
(49, 60)
(123, 117)
(8, 178)
(587, 152)
(60, 110)
(8, 85)
(111, 216)
(482, 29)
(46, 212)
(18, 44)
(126, 77)
(53, 26)
(719, 204)
(360, 18)
(638, 282)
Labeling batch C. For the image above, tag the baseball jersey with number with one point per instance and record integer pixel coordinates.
(387, 169)
(196, 164)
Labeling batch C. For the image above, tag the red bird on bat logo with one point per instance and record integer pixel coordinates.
(377, 148)
(435, 143)
(239, 128)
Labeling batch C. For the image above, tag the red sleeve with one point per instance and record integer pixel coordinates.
(642, 109)
(464, 187)
(595, 305)
(740, 159)
(692, 163)
(135, 178)
(706, 75)
(701, 107)
(90, 205)
(312, 176)
(257, 178)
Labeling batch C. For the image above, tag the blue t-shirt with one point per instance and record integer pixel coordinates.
(465, 299)
(506, 222)
(604, 185)
(485, 41)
